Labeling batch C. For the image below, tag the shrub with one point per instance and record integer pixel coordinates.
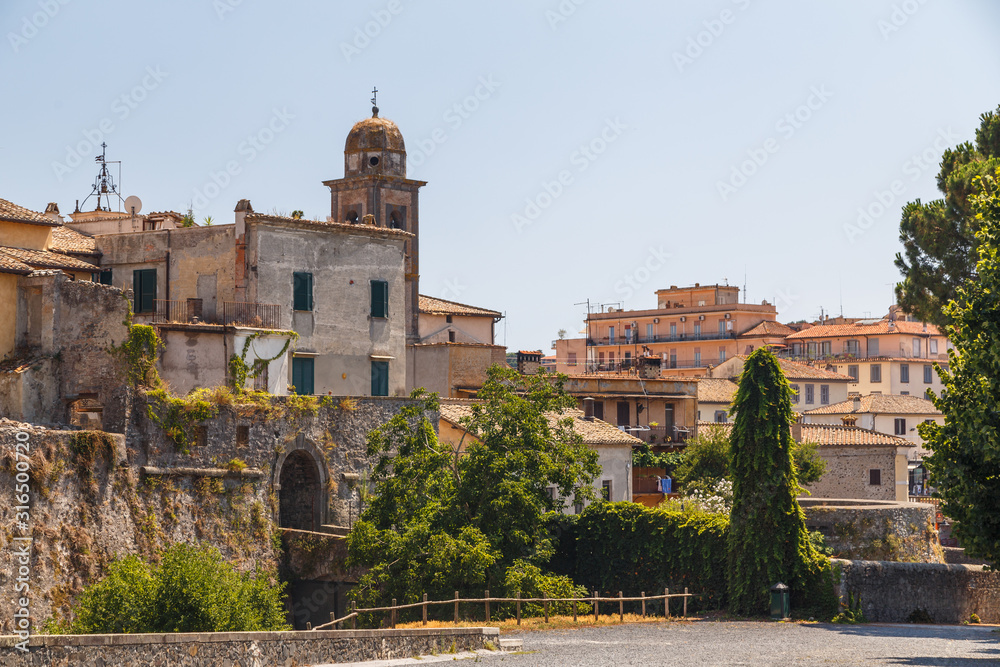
(531, 582)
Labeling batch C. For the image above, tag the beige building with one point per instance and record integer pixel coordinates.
(117, 222)
(613, 447)
(690, 329)
(812, 386)
(892, 415)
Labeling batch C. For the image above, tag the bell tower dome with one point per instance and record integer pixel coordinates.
(375, 146)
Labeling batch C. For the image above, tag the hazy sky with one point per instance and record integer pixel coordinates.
(573, 150)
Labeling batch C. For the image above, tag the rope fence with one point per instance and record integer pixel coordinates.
(595, 600)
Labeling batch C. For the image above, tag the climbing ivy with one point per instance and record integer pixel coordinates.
(240, 371)
(138, 352)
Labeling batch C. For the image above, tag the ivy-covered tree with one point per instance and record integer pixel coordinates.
(443, 520)
(768, 541)
(939, 237)
(965, 463)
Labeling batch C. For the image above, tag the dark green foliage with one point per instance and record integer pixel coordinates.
(768, 541)
(192, 589)
(632, 548)
(644, 457)
(965, 464)
(939, 237)
(441, 521)
(851, 612)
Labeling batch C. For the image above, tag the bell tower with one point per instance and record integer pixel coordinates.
(375, 184)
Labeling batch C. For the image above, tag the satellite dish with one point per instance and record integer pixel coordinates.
(133, 204)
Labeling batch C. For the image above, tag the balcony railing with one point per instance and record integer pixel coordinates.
(848, 357)
(248, 314)
(234, 313)
(660, 434)
(664, 338)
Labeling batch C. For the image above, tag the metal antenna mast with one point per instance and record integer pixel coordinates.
(104, 184)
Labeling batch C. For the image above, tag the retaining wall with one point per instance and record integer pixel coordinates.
(248, 649)
(890, 591)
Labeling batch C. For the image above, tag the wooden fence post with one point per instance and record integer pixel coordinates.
(595, 606)
(666, 603)
(546, 603)
(456, 607)
(621, 608)
(425, 608)
(574, 610)
(519, 607)
(333, 617)
(644, 604)
(309, 626)
(487, 605)
(354, 619)
(392, 614)
(685, 601)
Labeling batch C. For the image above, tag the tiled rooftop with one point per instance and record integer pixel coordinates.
(795, 370)
(359, 228)
(10, 264)
(880, 404)
(768, 328)
(14, 213)
(865, 328)
(716, 390)
(43, 259)
(69, 241)
(594, 432)
(836, 435)
(434, 306)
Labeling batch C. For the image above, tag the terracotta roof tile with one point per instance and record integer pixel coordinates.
(359, 228)
(768, 328)
(830, 435)
(594, 432)
(795, 370)
(880, 404)
(865, 328)
(12, 265)
(14, 213)
(716, 390)
(69, 241)
(43, 259)
(434, 306)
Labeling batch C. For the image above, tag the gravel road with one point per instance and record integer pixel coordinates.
(737, 643)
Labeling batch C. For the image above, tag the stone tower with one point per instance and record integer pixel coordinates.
(375, 184)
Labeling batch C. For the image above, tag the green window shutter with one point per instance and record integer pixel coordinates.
(302, 288)
(302, 376)
(144, 290)
(380, 298)
(380, 378)
(106, 277)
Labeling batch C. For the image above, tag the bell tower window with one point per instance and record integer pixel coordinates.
(353, 217)
(396, 215)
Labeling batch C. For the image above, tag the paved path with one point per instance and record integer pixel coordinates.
(757, 644)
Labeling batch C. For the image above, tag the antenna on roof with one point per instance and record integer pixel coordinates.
(746, 299)
(104, 184)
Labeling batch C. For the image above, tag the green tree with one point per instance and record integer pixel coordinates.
(965, 463)
(443, 520)
(768, 541)
(192, 589)
(939, 237)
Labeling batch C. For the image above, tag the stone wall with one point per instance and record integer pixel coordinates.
(884, 530)
(891, 592)
(847, 473)
(250, 649)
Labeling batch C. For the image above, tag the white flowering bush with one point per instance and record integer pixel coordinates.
(715, 497)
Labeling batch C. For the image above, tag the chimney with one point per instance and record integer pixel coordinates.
(797, 429)
(588, 408)
(849, 420)
(243, 208)
(649, 367)
(857, 404)
(52, 213)
(529, 361)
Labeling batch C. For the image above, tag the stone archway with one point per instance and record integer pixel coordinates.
(301, 485)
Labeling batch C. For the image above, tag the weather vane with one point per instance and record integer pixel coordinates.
(374, 103)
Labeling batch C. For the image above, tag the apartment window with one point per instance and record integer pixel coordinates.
(810, 394)
(447, 318)
(649, 333)
(105, 277)
(900, 426)
(697, 329)
(628, 334)
(852, 347)
(628, 360)
(260, 375)
(873, 347)
(599, 410)
(904, 372)
(825, 348)
(722, 354)
(673, 358)
(811, 349)
(875, 477)
(600, 358)
(852, 370)
(302, 375)
(606, 490)
(451, 337)
(824, 394)
(624, 413)
(302, 291)
(143, 290)
(611, 335)
(380, 300)
(876, 373)
(904, 393)
(673, 330)
(697, 357)
(916, 347)
(932, 345)
(722, 326)
(720, 416)
(795, 393)
(380, 378)
(797, 349)
(572, 358)
(928, 374)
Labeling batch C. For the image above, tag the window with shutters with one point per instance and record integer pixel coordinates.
(904, 373)
(932, 345)
(721, 416)
(380, 378)
(810, 394)
(143, 290)
(302, 375)
(873, 347)
(824, 394)
(875, 477)
(795, 393)
(875, 373)
(928, 374)
(900, 426)
(852, 371)
(260, 375)
(106, 277)
(380, 301)
(302, 291)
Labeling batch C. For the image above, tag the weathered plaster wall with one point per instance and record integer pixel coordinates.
(8, 313)
(875, 531)
(194, 356)
(22, 235)
(434, 329)
(890, 592)
(441, 367)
